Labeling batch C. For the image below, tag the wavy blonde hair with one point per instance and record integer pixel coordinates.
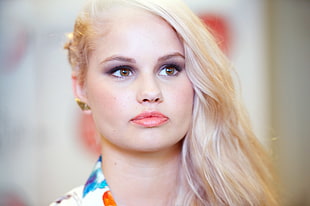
(222, 161)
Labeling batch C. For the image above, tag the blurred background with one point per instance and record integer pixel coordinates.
(46, 145)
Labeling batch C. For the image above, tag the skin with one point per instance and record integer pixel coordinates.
(152, 77)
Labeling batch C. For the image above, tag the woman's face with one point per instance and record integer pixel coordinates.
(136, 85)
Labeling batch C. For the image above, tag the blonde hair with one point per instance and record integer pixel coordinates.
(222, 161)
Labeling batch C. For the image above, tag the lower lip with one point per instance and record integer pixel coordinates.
(150, 121)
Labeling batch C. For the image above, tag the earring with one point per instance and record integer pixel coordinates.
(82, 105)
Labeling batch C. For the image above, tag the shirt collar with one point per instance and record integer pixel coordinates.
(96, 190)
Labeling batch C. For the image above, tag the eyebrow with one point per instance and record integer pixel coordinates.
(118, 58)
(169, 56)
(130, 60)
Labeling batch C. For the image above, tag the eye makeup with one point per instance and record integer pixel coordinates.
(121, 71)
(170, 70)
(123, 67)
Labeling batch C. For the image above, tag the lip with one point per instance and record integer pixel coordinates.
(150, 119)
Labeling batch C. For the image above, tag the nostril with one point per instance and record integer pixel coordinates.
(151, 100)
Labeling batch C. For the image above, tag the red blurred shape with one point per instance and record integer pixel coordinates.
(9, 198)
(90, 138)
(218, 26)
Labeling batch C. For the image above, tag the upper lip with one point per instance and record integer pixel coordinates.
(148, 114)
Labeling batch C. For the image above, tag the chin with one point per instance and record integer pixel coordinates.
(155, 147)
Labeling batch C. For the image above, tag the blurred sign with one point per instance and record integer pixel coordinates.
(220, 30)
(8, 198)
(90, 138)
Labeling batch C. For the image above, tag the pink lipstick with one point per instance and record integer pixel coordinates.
(150, 119)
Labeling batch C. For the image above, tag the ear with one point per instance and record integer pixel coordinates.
(79, 90)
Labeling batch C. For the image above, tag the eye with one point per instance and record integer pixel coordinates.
(122, 71)
(170, 70)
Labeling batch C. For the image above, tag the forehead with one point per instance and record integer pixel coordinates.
(126, 24)
(118, 16)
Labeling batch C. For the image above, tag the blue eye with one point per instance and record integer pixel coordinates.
(169, 70)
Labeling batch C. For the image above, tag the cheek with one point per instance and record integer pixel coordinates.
(110, 113)
(112, 103)
(184, 94)
(180, 99)
(107, 101)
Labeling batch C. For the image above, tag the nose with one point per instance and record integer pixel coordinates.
(149, 91)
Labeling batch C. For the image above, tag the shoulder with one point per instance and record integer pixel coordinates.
(72, 198)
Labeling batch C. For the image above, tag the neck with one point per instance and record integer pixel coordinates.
(142, 178)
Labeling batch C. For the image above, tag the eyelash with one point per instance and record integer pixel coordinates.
(177, 69)
(116, 69)
(113, 72)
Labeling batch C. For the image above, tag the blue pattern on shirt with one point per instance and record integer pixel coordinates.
(96, 179)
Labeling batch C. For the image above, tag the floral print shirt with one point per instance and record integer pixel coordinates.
(95, 192)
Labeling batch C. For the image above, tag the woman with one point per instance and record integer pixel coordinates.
(162, 97)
